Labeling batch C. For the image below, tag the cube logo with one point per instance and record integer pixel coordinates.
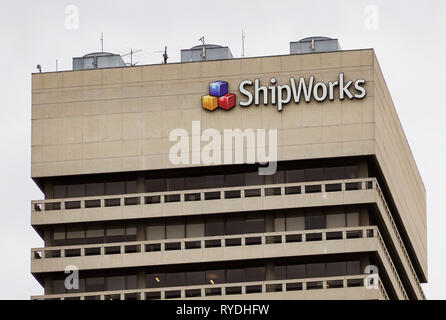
(218, 97)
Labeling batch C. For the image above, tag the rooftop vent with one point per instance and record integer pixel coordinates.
(98, 60)
(207, 52)
(314, 44)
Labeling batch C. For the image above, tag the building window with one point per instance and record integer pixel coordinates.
(315, 174)
(115, 233)
(60, 191)
(94, 189)
(215, 226)
(235, 275)
(75, 191)
(280, 272)
(155, 185)
(295, 271)
(175, 228)
(353, 267)
(314, 220)
(293, 176)
(254, 223)
(195, 278)
(255, 274)
(315, 270)
(94, 284)
(336, 269)
(95, 234)
(115, 283)
(116, 187)
(351, 172)
(75, 236)
(59, 236)
(215, 276)
(334, 173)
(156, 280)
(176, 279)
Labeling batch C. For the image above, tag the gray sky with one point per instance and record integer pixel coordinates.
(408, 39)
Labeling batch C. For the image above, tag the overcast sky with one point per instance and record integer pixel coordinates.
(409, 40)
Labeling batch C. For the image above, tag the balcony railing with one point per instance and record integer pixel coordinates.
(248, 239)
(149, 199)
(220, 241)
(229, 289)
(41, 206)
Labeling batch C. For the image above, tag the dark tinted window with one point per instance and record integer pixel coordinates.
(253, 178)
(176, 279)
(279, 272)
(295, 271)
(295, 176)
(255, 274)
(351, 172)
(75, 190)
(155, 185)
(195, 278)
(315, 270)
(94, 189)
(60, 191)
(95, 284)
(234, 180)
(235, 225)
(156, 280)
(336, 268)
(214, 226)
(314, 220)
(117, 187)
(174, 184)
(334, 173)
(215, 276)
(353, 268)
(194, 182)
(254, 224)
(316, 174)
(235, 275)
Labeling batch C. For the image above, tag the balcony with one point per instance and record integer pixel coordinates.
(236, 199)
(216, 249)
(203, 201)
(347, 287)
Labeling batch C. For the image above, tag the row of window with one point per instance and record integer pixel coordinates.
(211, 277)
(223, 179)
(211, 225)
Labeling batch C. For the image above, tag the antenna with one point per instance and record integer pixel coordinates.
(204, 49)
(243, 44)
(131, 53)
(165, 56)
(102, 41)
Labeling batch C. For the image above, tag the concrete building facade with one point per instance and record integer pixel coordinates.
(346, 198)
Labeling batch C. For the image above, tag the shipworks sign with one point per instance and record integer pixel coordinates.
(296, 90)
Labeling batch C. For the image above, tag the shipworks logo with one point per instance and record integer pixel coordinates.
(279, 95)
(218, 97)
